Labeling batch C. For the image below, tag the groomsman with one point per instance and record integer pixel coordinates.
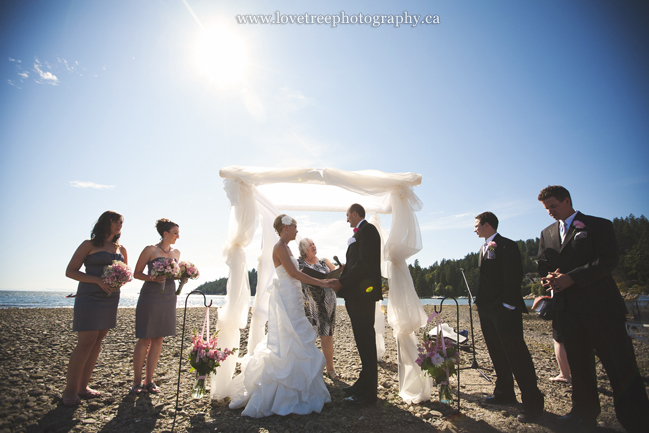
(500, 308)
(360, 285)
(576, 257)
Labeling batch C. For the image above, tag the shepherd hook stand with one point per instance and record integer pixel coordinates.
(475, 363)
(182, 341)
(457, 343)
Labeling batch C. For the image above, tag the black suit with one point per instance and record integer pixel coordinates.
(591, 315)
(500, 282)
(361, 288)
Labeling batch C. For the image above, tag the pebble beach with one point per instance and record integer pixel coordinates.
(35, 345)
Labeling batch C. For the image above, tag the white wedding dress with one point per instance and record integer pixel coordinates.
(284, 375)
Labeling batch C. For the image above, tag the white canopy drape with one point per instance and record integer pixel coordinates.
(390, 193)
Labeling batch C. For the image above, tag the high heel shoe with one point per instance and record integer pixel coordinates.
(332, 375)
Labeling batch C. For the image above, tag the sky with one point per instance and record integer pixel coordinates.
(134, 106)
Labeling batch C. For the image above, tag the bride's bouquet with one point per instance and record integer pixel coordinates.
(187, 270)
(116, 275)
(165, 267)
(205, 358)
(438, 359)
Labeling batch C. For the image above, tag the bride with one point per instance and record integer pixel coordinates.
(284, 374)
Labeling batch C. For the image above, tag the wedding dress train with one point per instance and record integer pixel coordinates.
(284, 375)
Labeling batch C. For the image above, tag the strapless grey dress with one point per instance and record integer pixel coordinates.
(155, 315)
(94, 310)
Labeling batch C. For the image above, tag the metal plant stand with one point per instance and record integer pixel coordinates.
(182, 341)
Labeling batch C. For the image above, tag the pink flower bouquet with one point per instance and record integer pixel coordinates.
(116, 275)
(439, 359)
(205, 358)
(165, 267)
(187, 270)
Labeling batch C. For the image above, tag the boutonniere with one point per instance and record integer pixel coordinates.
(355, 229)
(578, 225)
(492, 247)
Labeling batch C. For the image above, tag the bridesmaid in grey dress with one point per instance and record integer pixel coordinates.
(155, 315)
(95, 305)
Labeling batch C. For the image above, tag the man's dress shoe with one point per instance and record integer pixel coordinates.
(500, 399)
(578, 423)
(358, 401)
(530, 415)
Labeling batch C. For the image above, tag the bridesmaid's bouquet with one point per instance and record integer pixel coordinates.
(187, 270)
(205, 358)
(116, 275)
(166, 267)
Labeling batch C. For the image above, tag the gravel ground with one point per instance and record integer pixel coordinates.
(35, 345)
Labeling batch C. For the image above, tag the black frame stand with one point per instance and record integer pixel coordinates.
(457, 343)
(474, 365)
(182, 341)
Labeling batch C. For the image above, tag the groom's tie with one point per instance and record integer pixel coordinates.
(485, 247)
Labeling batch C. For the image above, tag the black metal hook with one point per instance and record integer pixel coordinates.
(182, 341)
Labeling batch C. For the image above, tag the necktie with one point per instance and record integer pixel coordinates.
(563, 229)
(485, 248)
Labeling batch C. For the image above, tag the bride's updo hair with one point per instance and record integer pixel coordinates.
(164, 225)
(281, 221)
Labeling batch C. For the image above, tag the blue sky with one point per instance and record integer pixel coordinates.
(105, 105)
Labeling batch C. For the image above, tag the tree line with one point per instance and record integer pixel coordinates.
(632, 273)
(445, 278)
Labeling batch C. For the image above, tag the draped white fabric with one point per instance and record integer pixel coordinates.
(390, 193)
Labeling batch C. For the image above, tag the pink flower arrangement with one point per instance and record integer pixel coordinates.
(205, 358)
(578, 224)
(438, 358)
(116, 275)
(187, 270)
(163, 266)
(492, 247)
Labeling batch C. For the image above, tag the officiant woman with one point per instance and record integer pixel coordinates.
(95, 305)
(320, 302)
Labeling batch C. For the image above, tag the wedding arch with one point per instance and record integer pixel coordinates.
(388, 193)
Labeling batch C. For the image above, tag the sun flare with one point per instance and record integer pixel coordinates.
(221, 55)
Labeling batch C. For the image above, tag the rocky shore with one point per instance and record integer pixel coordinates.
(35, 345)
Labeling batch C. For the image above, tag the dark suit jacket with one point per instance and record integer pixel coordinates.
(588, 255)
(363, 266)
(501, 276)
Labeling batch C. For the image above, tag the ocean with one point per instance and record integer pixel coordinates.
(29, 299)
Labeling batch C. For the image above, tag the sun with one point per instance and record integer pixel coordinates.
(221, 55)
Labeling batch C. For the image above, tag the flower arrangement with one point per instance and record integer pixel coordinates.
(578, 225)
(166, 267)
(439, 359)
(187, 270)
(116, 275)
(205, 358)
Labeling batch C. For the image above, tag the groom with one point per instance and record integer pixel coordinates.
(360, 286)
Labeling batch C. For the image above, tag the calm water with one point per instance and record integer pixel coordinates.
(26, 299)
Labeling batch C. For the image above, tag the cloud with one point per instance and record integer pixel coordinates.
(82, 184)
(11, 83)
(46, 77)
(14, 60)
(23, 74)
(459, 221)
(292, 100)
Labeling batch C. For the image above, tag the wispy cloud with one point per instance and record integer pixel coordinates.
(46, 76)
(458, 221)
(292, 100)
(82, 184)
